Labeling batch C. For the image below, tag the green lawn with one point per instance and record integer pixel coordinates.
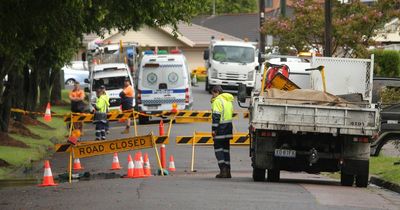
(380, 166)
(38, 148)
(384, 168)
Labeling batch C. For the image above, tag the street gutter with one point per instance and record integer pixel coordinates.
(385, 184)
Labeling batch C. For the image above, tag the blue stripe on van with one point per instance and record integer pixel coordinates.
(173, 91)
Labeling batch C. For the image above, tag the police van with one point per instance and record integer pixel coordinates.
(162, 83)
(112, 76)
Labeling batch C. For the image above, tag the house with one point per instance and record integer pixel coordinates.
(191, 39)
(389, 37)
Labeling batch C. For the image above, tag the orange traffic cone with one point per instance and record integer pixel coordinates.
(131, 167)
(138, 171)
(171, 163)
(161, 128)
(47, 176)
(146, 166)
(47, 114)
(77, 164)
(115, 164)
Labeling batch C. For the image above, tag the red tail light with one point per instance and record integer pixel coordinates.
(139, 97)
(361, 139)
(187, 95)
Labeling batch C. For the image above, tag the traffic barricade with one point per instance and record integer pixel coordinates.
(206, 139)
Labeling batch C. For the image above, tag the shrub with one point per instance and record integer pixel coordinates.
(387, 63)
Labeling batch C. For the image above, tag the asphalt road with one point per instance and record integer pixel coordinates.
(191, 190)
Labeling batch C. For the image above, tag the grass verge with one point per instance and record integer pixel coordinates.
(38, 148)
(382, 167)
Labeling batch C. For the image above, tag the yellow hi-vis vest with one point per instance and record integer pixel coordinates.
(222, 104)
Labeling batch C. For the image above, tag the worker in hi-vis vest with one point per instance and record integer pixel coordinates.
(222, 111)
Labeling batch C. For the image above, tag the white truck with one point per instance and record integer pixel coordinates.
(230, 63)
(315, 131)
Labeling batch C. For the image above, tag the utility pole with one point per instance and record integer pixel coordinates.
(213, 14)
(262, 37)
(283, 8)
(328, 29)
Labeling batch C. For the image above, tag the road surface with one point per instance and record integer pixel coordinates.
(191, 190)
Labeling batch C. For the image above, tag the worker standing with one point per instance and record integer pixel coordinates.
(100, 115)
(77, 105)
(222, 112)
(127, 95)
(107, 97)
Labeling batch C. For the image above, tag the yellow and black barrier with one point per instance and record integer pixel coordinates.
(87, 117)
(205, 138)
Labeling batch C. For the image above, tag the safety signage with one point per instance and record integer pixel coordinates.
(85, 117)
(111, 146)
(205, 138)
(66, 147)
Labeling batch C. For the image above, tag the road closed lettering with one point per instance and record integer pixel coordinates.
(107, 147)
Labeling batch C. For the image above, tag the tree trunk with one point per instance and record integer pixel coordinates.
(5, 106)
(55, 97)
(18, 98)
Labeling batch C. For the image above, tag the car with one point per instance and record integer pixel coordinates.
(77, 71)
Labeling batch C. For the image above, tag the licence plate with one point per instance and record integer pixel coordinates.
(285, 153)
(152, 107)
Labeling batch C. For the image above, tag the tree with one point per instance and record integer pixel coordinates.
(354, 26)
(38, 37)
(229, 6)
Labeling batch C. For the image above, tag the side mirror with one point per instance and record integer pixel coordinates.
(241, 96)
(206, 54)
(87, 81)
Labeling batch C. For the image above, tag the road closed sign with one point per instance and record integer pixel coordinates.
(111, 146)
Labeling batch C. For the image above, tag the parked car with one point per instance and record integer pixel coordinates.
(77, 71)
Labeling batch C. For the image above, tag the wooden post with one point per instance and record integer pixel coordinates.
(157, 155)
(193, 145)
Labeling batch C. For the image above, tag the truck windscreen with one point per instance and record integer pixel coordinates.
(111, 83)
(234, 54)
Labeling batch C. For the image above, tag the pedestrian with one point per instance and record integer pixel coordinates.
(100, 115)
(127, 95)
(222, 112)
(77, 95)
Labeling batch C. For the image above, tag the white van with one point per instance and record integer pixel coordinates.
(112, 76)
(163, 80)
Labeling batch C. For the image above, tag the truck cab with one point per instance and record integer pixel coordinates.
(230, 63)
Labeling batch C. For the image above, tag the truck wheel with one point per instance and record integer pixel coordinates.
(248, 91)
(258, 174)
(273, 175)
(143, 120)
(346, 179)
(362, 176)
(362, 180)
(207, 86)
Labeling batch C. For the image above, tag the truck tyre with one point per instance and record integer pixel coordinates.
(248, 91)
(258, 174)
(362, 176)
(362, 180)
(143, 119)
(346, 179)
(273, 175)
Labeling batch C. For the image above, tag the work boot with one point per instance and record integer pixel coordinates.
(126, 131)
(219, 175)
(228, 173)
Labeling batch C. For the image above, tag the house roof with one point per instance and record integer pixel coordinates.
(191, 35)
(237, 25)
(197, 36)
